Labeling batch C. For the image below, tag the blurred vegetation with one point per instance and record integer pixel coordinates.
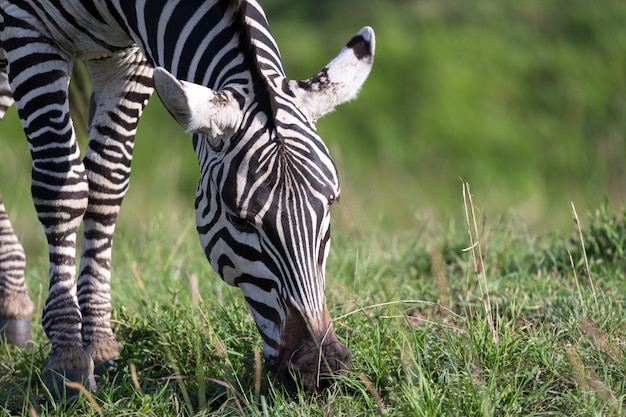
(603, 244)
(524, 100)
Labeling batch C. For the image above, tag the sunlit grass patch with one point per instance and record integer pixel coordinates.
(410, 308)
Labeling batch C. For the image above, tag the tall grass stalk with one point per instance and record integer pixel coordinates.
(582, 244)
(478, 260)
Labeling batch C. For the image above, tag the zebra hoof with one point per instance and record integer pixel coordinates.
(16, 331)
(57, 382)
(103, 368)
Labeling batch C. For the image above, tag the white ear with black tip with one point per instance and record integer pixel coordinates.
(340, 80)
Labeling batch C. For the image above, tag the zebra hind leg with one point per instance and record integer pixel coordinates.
(16, 307)
(59, 190)
(121, 87)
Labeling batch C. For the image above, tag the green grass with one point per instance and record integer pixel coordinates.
(525, 100)
(409, 307)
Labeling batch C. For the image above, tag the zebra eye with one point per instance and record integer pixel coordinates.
(241, 224)
(332, 198)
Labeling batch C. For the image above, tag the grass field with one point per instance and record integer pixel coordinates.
(512, 327)
(524, 100)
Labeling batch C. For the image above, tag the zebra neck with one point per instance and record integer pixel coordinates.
(265, 63)
(265, 47)
(215, 43)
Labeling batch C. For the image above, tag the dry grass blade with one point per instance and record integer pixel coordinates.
(441, 277)
(477, 260)
(389, 303)
(257, 373)
(582, 244)
(331, 401)
(415, 319)
(232, 390)
(605, 393)
(601, 339)
(133, 376)
(133, 270)
(194, 290)
(587, 379)
(580, 294)
(372, 390)
(83, 390)
(577, 366)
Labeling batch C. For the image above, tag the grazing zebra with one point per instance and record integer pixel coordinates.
(266, 183)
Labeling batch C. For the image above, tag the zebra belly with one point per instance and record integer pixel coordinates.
(73, 29)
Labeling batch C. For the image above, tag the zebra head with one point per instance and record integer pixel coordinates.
(263, 201)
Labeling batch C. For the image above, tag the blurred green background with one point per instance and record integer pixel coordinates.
(525, 100)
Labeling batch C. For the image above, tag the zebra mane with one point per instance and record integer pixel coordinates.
(262, 90)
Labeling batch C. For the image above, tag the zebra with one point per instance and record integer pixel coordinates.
(267, 180)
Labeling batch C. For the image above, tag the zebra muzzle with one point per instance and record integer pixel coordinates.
(313, 365)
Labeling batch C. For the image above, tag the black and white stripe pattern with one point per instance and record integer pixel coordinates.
(267, 180)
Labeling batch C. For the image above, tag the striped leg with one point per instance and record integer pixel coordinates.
(39, 74)
(15, 305)
(16, 308)
(121, 87)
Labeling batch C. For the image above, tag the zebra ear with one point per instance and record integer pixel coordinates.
(340, 80)
(196, 108)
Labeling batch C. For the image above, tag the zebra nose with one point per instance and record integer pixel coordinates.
(311, 370)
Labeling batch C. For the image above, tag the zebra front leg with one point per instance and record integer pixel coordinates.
(16, 308)
(60, 193)
(121, 87)
(62, 319)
